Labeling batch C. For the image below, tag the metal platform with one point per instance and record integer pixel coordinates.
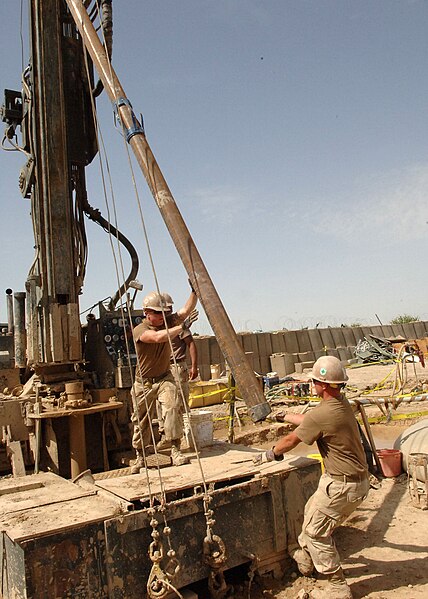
(62, 539)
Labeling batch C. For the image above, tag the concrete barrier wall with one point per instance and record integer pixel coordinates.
(301, 346)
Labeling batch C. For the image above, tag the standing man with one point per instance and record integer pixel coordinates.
(153, 378)
(182, 375)
(343, 486)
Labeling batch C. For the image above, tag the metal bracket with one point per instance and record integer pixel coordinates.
(259, 412)
(136, 127)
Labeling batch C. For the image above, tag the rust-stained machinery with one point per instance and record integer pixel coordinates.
(54, 112)
(66, 409)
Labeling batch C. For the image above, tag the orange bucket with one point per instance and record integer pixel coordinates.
(390, 460)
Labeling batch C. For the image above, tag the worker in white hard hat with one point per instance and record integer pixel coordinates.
(153, 378)
(181, 345)
(344, 484)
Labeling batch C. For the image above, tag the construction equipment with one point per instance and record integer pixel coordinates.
(68, 404)
(55, 114)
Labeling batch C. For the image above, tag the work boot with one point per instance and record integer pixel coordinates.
(304, 562)
(337, 588)
(163, 443)
(138, 464)
(178, 459)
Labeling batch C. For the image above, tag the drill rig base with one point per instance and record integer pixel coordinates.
(63, 540)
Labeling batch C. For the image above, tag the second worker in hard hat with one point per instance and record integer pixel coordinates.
(153, 378)
(343, 486)
(181, 345)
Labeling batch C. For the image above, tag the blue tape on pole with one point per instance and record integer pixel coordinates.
(136, 128)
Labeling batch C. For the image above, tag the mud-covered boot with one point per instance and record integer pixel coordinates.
(337, 588)
(178, 459)
(163, 443)
(304, 562)
(138, 464)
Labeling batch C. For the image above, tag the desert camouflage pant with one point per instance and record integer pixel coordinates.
(148, 396)
(329, 506)
(180, 372)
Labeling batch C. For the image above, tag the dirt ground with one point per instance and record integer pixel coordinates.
(383, 547)
(384, 544)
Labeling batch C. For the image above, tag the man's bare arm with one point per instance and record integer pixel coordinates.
(286, 443)
(193, 352)
(295, 419)
(183, 312)
(161, 336)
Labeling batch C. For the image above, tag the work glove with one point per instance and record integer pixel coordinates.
(193, 316)
(266, 456)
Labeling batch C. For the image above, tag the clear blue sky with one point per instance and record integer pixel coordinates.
(294, 138)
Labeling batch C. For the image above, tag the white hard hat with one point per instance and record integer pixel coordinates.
(328, 369)
(168, 299)
(155, 301)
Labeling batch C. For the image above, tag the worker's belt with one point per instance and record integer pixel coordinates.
(152, 379)
(348, 478)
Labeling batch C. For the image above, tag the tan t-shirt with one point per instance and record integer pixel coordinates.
(153, 358)
(333, 426)
(179, 346)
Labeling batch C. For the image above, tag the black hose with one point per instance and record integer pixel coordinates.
(95, 215)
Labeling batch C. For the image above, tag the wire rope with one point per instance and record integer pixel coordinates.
(171, 553)
(211, 539)
(154, 271)
(103, 151)
(129, 310)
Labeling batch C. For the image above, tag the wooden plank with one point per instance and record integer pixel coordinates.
(14, 451)
(220, 462)
(36, 490)
(93, 409)
(63, 516)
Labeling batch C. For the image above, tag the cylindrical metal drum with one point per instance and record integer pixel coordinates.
(413, 440)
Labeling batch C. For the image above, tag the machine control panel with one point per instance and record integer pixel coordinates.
(116, 330)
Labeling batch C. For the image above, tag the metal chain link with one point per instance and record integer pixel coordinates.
(159, 581)
(214, 554)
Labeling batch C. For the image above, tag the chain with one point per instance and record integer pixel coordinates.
(252, 571)
(173, 566)
(214, 554)
(159, 581)
(156, 587)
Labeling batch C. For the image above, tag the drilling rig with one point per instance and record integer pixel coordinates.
(66, 402)
(58, 365)
(64, 365)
